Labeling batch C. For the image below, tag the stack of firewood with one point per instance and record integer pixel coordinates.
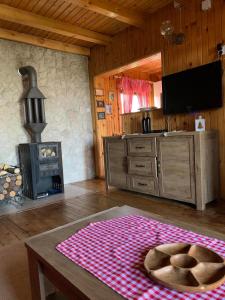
(10, 181)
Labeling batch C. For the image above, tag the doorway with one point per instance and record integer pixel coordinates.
(111, 115)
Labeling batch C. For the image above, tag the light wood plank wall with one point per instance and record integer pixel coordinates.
(203, 30)
(111, 124)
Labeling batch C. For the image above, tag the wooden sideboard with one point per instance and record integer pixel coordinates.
(179, 165)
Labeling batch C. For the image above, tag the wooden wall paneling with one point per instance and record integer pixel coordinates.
(203, 30)
(100, 126)
(214, 118)
(131, 123)
(111, 125)
(198, 35)
(114, 119)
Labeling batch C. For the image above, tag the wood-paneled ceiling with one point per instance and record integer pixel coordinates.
(152, 65)
(72, 25)
(149, 68)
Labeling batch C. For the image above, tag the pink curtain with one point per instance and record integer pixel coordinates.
(128, 87)
(125, 86)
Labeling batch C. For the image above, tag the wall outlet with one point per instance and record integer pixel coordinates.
(206, 5)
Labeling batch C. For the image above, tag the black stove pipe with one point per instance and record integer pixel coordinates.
(31, 74)
(34, 104)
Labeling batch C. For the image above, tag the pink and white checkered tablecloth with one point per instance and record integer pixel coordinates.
(114, 252)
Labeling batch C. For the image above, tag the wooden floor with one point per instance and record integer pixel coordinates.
(19, 226)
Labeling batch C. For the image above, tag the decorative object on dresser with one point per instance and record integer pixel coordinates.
(200, 124)
(179, 165)
(146, 118)
(41, 163)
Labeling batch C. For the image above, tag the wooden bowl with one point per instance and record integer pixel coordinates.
(185, 267)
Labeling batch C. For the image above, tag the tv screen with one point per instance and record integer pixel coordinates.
(193, 90)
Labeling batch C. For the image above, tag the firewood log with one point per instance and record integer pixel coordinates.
(6, 166)
(2, 173)
(12, 170)
(2, 197)
(6, 185)
(5, 192)
(12, 194)
(8, 179)
(19, 177)
(18, 182)
(16, 189)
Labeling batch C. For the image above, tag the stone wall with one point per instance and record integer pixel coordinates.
(63, 79)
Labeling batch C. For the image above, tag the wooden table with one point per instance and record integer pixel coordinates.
(73, 281)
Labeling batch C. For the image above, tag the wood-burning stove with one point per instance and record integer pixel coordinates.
(42, 168)
(41, 163)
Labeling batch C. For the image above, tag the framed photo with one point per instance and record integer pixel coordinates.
(111, 95)
(99, 92)
(100, 103)
(101, 115)
(108, 109)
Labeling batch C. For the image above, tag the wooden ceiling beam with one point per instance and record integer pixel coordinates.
(42, 42)
(23, 17)
(112, 10)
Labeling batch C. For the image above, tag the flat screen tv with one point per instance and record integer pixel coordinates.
(193, 90)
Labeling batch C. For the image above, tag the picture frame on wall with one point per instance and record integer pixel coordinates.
(108, 109)
(100, 103)
(111, 95)
(101, 115)
(99, 92)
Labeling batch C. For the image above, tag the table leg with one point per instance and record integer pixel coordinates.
(36, 278)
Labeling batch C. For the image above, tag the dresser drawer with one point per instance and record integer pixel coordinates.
(145, 166)
(142, 146)
(147, 185)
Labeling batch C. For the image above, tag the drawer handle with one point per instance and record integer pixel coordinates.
(142, 184)
(139, 166)
(140, 147)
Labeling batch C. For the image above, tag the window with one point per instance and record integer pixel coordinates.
(135, 103)
(135, 94)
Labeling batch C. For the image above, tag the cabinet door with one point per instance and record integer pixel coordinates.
(176, 168)
(116, 162)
